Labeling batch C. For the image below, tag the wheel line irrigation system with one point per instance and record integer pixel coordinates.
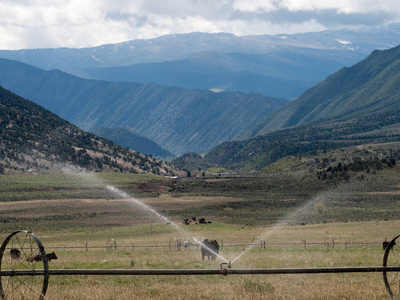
(29, 241)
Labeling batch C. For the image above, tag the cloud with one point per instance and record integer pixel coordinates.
(77, 23)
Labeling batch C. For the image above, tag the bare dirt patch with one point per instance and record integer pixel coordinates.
(101, 211)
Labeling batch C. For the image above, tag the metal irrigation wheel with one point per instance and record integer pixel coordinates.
(174, 243)
(392, 259)
(254, 242)
(329, 242)
(23, 251)
(111, 243)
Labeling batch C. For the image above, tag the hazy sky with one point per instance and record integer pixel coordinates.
(85, 23)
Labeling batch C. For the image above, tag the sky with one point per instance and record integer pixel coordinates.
(26, 24)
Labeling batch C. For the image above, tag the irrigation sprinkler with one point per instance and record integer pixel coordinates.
(227, 265)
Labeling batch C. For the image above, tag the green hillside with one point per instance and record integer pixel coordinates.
(178, 119)
(192, 162)
(258, 152)
(354, 106)
(36, 140)
(371, 86)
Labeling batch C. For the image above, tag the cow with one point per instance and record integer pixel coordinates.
(38, 257)
(15, 253)
(386, 244)
(209, 248)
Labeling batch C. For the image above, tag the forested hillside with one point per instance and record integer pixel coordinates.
(34, 139)
(179, 120)
(260, 151)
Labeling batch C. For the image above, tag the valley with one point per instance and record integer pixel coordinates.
(282, 148)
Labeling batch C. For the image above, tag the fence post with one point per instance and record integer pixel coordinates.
(264, 245)
(86, 246)
(305, 244)
(222, 244)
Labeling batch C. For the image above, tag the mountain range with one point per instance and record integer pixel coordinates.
(36, 140)
(370, 86)
(354, 106)
(180, 120)
(279, 66)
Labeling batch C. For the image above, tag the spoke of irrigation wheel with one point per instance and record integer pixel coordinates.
(26, 282)
(394, 251)
(390, 259)
(30, 255)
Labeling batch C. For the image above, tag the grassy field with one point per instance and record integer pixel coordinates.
(293, 213)
(292, 255)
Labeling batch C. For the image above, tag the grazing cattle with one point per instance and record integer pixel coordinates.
(15, 253)
(209, 248)
(385, 244)
(38, 257)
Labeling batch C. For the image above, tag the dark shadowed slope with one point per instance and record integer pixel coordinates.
(127, 138)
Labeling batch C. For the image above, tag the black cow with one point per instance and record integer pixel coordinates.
(15, 253)
(209, 248)
(385, 244)
(38, 257)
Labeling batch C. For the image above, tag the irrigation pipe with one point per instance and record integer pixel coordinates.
(224, 271)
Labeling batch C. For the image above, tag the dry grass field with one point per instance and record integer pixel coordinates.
(62, 215)
(131, 253)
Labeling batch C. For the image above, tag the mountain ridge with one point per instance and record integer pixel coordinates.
(320, 53)
(366, 87)
(33, 139)
(180, 120)
(354, 106)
